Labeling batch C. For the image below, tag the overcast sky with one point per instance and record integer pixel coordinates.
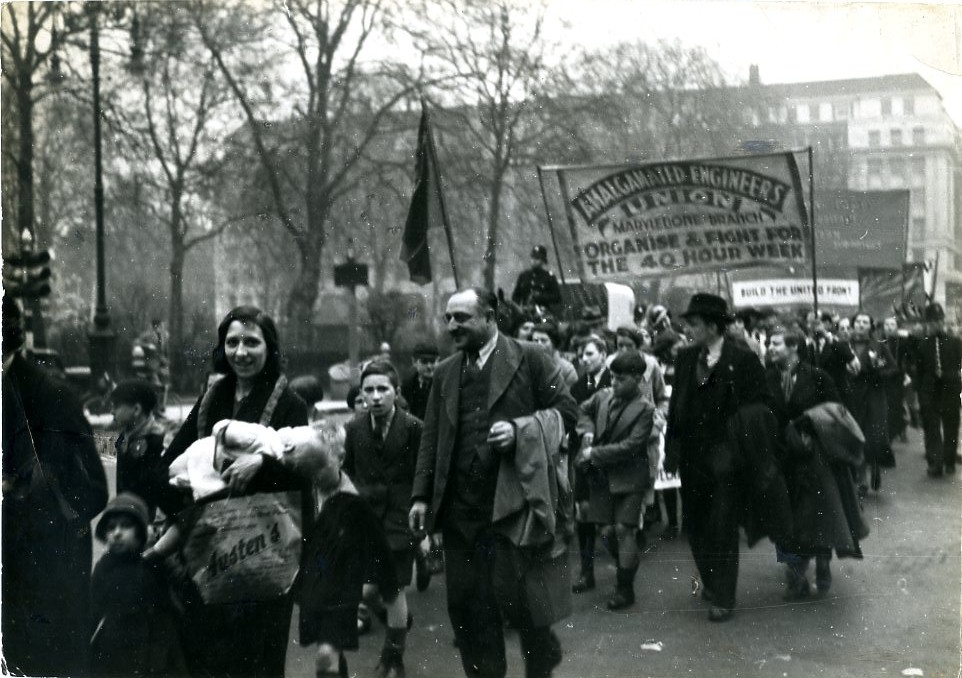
(790, 41)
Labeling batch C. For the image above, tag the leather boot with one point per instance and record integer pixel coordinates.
(392, 655)
(625, 590)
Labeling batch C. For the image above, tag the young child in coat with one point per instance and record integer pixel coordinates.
(135, 631)
(140, 444)
(345, 549)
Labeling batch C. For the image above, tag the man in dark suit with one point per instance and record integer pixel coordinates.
(380, 452)
(824, 350)
(938, 383)
(713, 379)
(478, 395)
(615, 426)
(417, 386)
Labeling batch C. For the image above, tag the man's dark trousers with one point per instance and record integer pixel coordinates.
(939, 407)
(709, 511)
(475, 615)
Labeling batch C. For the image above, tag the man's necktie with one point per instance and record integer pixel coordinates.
(787, 384)
(701, 369)
(591, 383)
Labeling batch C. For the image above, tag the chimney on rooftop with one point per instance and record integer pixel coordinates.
(753, 77)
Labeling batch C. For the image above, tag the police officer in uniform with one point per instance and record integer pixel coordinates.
(537, 286)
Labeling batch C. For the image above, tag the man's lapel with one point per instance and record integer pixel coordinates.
(505, 360)
(604, 409)
(451, 387)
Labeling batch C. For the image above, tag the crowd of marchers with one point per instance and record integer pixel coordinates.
(534, 439)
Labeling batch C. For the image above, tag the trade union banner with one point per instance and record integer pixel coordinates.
(861, 229)
(685, 216)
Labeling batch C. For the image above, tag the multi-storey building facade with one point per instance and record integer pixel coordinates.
(881, 133)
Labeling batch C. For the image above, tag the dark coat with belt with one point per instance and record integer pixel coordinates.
(416, 394)
(524, 380)
(53, 486)
(383, 470)
(620, 446)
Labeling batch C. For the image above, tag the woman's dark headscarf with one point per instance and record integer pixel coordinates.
(250, 314)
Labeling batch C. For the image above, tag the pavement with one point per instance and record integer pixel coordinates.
(897, 612)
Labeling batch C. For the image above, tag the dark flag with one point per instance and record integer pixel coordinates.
(426, 209)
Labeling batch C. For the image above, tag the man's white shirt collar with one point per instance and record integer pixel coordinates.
(715, 350)
(485, 351)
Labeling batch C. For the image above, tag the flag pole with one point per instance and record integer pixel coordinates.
(432, 149)
(811, 223)
(554, 239)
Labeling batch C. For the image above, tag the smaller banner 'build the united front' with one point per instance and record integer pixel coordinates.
(685, 216)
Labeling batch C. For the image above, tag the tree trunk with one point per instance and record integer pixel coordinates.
(491, 238)
(300, 304)
(175, 346)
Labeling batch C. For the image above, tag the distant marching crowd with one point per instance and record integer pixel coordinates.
(488, 465)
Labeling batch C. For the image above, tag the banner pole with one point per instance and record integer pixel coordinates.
(935, 275)
(554, 239)
(444, 210)
(811, 223)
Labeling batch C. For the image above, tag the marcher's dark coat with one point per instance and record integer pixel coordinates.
(344, 546)
(134, 628)
(416, 394)
(821, 470)
(140, 468)
(53, 486)
(621, 451)
(383, 470)
(867, 402)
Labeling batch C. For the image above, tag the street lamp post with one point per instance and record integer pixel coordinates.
(101, 336)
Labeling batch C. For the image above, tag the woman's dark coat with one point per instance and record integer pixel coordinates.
(251, 638)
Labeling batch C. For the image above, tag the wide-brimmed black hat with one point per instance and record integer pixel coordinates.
(708, 306)
(540, 252)
(934, 312)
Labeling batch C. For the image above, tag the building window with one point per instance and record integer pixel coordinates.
(899, 169)
(918, 168)
(874, 139)
(825, 112)
(918, 136)
(793, 114)
(908, 105)
(895, 136)
(874, 167)
(918, 228)
(886, 106)
(840, 111)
